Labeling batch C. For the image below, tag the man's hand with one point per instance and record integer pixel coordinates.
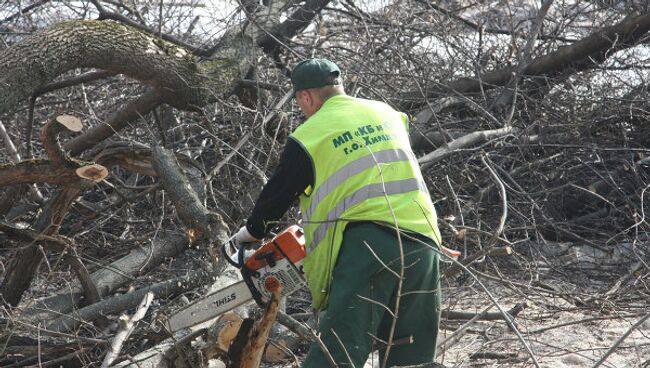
(243, 236)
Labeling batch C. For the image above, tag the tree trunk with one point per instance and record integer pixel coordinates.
(174, 72)
(110, 277)
(25, 262)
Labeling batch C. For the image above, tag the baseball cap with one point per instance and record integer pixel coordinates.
(314, 73)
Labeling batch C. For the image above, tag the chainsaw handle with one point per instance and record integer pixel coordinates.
(228, 256)
(241, 254)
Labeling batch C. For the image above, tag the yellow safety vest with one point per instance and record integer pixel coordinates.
(364, 170)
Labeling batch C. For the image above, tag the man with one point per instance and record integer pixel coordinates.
(365, 209)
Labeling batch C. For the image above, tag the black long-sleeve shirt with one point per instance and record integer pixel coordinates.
(293, 175)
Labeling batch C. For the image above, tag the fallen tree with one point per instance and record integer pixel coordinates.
(542, 104)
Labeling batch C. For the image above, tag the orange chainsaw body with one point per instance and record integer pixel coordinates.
(290, 244)
(277, 263)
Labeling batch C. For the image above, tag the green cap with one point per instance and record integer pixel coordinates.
(314, 73)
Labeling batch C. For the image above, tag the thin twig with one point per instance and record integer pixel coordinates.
(15, 156)
(503, 312)
(347, 355)
(458, 333)
(504, 203)
(247, 136)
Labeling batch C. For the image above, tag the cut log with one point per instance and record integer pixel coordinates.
(109, 278)
(123, 302)
(44, 171)
(228, 326)
(221, 335)
(94, 172)
(50, 133)
(70, 122)
(252, 353)
(59, 168)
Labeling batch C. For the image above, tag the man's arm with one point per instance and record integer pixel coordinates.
(292, 176)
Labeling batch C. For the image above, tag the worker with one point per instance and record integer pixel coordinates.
(368, 221)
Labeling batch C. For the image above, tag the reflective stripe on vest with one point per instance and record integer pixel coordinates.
(369, 191)
(353, 168)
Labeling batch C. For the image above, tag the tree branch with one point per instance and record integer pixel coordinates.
(578, 56)
(173, 71)
(133, 111)
(24, 10)
(198, 220)
(297, 21)
(126, 328)
(463, 142)
(110, 277)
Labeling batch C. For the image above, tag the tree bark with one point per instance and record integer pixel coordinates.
(110, 277)
(40, 171)
(252, 353)
(25, 262)
(176, 74)
(123, 302)
(59, 168)
(198, 220)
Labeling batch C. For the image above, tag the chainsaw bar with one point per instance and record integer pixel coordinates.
(210, 306)
(278, 261)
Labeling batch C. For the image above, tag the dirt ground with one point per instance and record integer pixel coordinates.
(573, 325)
(558, 333)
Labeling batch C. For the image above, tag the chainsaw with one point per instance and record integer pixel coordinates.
(276, 261)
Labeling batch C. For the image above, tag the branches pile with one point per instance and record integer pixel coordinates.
(531, 142)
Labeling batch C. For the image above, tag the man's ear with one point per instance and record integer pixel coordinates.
(309, 97)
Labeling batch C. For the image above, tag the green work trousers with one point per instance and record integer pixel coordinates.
(362, 290)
